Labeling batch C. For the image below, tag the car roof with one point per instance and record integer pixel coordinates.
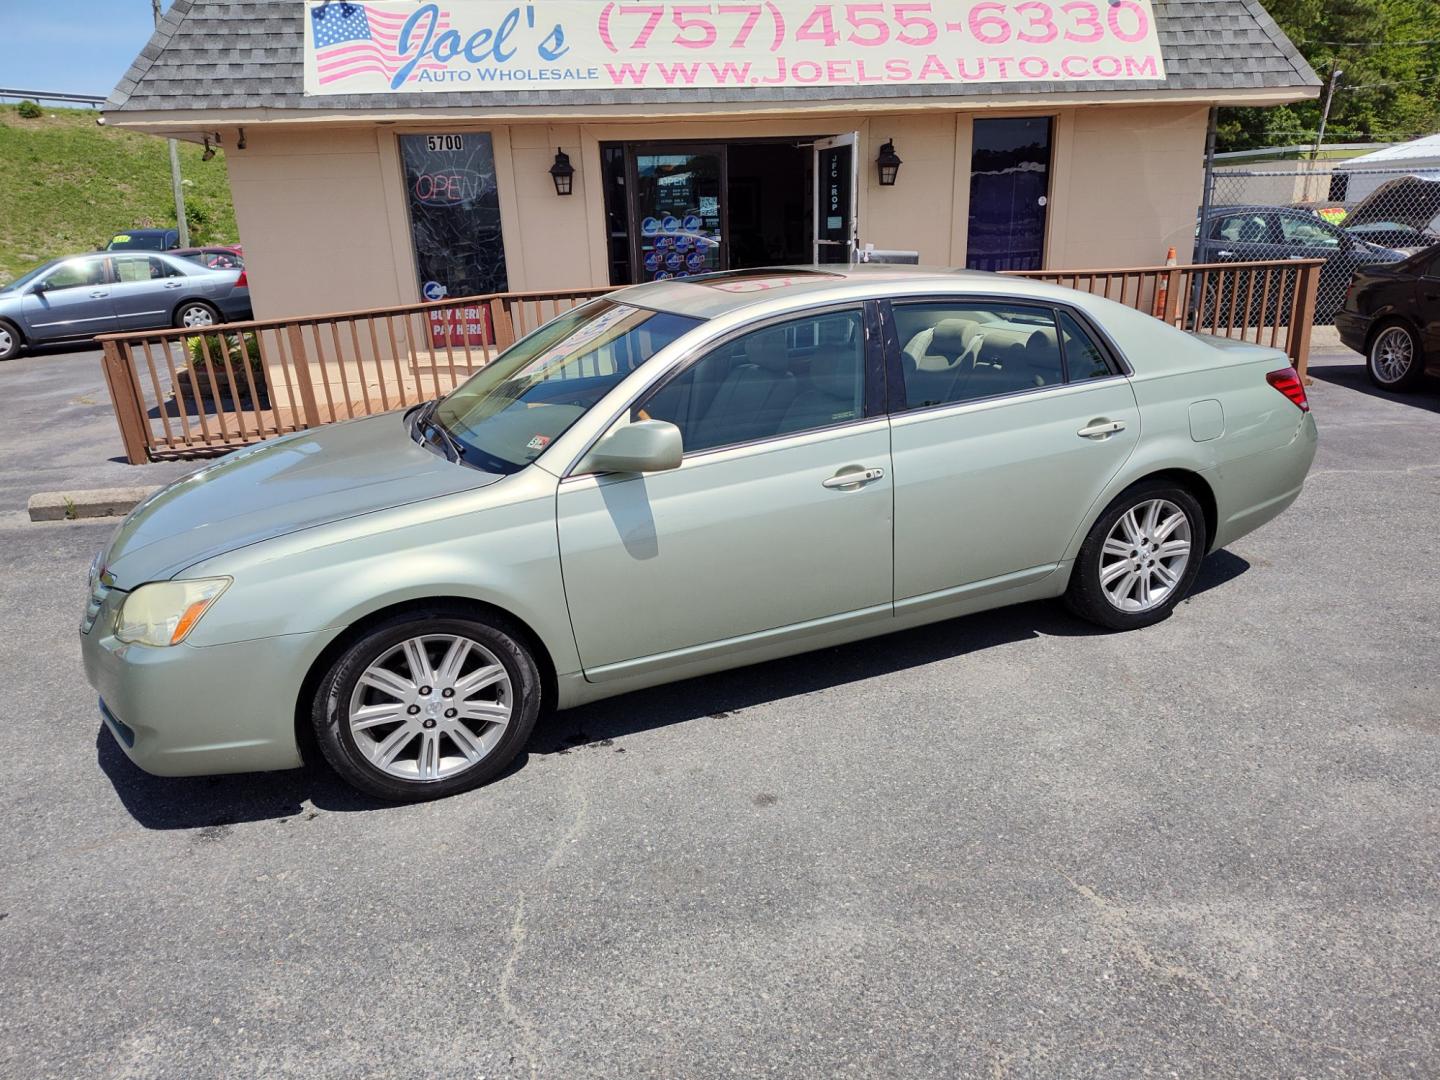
(785, 287)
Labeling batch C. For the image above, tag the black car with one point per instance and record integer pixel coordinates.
(1400, 213)
(1270, 233)
(1392, 315)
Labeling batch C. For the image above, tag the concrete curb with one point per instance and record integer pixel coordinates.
(75, 505)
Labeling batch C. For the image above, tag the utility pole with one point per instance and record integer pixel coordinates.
(180, 223)
(1335, 75)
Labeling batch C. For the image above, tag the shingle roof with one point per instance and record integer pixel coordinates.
(246, 54)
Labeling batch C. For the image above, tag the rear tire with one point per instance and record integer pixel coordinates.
(1140, 558)
(427, 704)
(1394, 360)
(10, 340)
(196, 315)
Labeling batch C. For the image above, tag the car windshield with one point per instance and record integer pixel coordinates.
(507, 414)
(25, 279)
(139, 241)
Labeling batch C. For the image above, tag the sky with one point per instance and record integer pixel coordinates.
(71, 46)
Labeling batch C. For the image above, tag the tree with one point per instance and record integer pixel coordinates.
(1390, 87)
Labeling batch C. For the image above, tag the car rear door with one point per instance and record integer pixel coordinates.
(778, 517)
(146, 291)
(74, 300)
(1008, 420)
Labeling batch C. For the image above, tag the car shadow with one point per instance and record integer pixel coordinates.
(215, 802)
(1354, 377)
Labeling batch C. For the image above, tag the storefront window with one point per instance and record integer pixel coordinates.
(454, 214)
(678, 204)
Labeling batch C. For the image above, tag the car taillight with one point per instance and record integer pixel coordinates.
(1287, 381)
(242, 282)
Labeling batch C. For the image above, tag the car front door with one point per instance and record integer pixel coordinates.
(145, 292)
(72, 300)
(779, 515)
(1427, 305)
(1008, 421)
(1308, 237)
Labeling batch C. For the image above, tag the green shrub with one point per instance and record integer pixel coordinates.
(30, 110)
(243, 349)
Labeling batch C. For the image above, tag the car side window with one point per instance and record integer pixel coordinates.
(1298, 230)
(133, 268)
(1242, 229)
(1433, 270)
(957, 351)
(1083, 358)
(76, 273)
(783, 379)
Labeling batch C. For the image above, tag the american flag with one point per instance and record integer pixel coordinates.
(356, 39)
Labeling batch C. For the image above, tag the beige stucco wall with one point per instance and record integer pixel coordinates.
(1126, 185)
(323, 217)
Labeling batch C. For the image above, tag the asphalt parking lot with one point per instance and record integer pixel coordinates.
(1007, 846)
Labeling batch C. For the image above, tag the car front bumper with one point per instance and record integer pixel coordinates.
(1353, 329)
(191, 711)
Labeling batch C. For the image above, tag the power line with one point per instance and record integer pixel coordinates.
(1372, 44)
(1382, 85)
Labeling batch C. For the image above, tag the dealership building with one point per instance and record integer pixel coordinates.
(386, 152)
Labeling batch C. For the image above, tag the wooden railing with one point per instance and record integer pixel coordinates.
(183, 393)
(1268, 303)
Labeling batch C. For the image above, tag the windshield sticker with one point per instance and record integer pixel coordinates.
(539, 442)
(581, 337)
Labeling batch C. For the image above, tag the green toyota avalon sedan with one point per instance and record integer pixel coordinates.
(675, 479)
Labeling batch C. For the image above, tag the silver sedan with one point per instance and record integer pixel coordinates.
(671, 480)
(85, 295)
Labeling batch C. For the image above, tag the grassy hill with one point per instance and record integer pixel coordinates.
(68, 185)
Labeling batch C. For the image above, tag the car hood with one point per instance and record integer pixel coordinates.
(296, 482)
(1407, 200)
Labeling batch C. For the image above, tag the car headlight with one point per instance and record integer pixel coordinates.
(164, 613)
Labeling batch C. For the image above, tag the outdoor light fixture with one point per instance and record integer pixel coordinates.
(209, 150)
(562, 172)
(240, 143)
(888, 162)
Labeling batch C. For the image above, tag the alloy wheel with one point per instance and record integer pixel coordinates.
(430, 707)
(196, 316)
(7, 340)
(1392, 354)
(1145, 555)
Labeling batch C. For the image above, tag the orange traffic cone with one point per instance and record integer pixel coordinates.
(1162, 288)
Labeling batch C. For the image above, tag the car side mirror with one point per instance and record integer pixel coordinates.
(639, 447)
(38, 288)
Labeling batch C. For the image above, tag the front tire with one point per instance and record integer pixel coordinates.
(196, 315)
(10, 340)
(1394, 360)
(1140, 557)
(427, 704)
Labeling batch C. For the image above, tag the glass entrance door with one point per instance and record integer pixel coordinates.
(677, 227)
(835, 198)
(1009, 191)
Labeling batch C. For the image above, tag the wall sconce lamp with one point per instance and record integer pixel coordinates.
(562, 172)
(240, 142)
(888, 162)
(209, 150)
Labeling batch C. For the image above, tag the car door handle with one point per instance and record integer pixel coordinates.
(99, 295)
(852, 478)
(174, 285)
(1101, 429)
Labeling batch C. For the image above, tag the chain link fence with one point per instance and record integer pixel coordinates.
(1350, 218)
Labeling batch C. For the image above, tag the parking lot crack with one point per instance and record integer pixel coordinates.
(1116, 921)
(530, 1042)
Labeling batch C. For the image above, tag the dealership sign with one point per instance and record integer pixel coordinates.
(404, 47)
